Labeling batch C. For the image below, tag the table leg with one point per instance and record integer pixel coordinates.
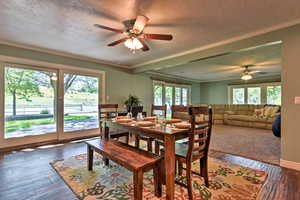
(170, 166)
(106, 138)
(90, 157)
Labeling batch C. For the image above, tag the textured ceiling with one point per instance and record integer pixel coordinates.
(67, 25)
(266, 59)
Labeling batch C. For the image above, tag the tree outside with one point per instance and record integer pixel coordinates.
(30, 102)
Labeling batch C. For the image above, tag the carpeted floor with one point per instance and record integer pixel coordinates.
(257, 144)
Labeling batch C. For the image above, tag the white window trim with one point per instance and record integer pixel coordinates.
(164, 84)
(263, 92)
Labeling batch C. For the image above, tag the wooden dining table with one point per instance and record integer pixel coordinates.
(166, 133)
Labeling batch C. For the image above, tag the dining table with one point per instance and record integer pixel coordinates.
(164, 132)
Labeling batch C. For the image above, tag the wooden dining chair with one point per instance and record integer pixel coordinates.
(197, 146)
(162, 109)
(150, 140)
(108, 111)
(178, 112)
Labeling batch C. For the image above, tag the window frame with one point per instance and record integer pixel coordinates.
(173, 85)
(45, 66)
(263, 91)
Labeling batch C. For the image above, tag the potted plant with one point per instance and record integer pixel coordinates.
(132, 101)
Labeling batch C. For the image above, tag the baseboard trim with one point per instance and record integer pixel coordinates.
(290, 164)
(50, 142)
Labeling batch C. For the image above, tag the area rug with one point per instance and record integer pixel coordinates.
(253, 143)
(227, 181)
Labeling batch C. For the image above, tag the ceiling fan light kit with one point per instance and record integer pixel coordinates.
(133, 44)
(246, 74)
(135, 38)
(246, 77)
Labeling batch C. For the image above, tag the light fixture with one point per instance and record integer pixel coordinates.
(246, 76)
(133, 44)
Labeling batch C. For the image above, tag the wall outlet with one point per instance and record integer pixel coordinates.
(107, 98)
(297, 100)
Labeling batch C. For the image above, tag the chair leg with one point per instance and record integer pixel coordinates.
(180, 166)
(127, 139)
(189, 181)
(138, 184)
(162, 171)
(204, 170)
(157, 149)
(149, 144)
(157, 180)
(137, 141)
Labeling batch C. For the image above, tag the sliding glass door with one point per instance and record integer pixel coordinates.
(81, 95)
(40, 104)
(30, 102)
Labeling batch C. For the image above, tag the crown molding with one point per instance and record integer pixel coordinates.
(172, 76)
(64, 54)
(223, 42)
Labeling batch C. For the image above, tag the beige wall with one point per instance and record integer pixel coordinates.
(290, 142)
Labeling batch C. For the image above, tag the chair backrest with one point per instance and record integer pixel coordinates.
(136, 109)
(107, 111)
(159, 108)
(199, 138)
(180, 112)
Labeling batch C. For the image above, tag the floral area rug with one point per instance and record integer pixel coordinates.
(227, 181)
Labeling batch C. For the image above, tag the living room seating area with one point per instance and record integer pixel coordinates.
(255, 116)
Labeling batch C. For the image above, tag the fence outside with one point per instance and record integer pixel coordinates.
(37, 109)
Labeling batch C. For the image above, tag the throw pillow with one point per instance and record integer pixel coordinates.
(274, 111)
(258, 113)
(268, 111)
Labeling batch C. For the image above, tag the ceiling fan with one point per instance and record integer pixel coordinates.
(247, 74)
(134, 36)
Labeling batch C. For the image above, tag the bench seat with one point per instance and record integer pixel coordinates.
(136, 160)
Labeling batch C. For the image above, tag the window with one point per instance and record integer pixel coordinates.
(266, 93)
(184, 96)
(177, 96)
(254, 95)
(238, 96)
(158, 94)
(167, 93)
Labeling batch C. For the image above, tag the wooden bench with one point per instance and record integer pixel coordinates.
(136, 160)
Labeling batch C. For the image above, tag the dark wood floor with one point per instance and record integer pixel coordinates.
(28, 175)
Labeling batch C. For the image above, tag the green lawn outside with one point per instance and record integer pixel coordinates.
(11, 126)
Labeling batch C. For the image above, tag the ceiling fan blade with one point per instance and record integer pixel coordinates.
(158, 36)
(145, 46)
(255, 71)
(108, 28)
(117, 42)
(140, 24)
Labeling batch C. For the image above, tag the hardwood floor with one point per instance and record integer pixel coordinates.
(28, 175)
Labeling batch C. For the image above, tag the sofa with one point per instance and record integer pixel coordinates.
(256, 116)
